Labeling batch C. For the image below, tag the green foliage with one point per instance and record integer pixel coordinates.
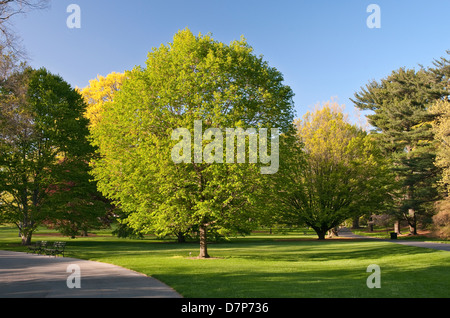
(333, 171)
(401, 117)
(44, 150)
(441, 128)
(74, 206)
(192, 78)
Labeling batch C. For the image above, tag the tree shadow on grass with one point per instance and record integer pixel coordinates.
(96, 249)
(313, 283)
(328, 251)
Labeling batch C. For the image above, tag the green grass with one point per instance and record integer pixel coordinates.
(269, 266)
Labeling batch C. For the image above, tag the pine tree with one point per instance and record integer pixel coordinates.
(402, 123)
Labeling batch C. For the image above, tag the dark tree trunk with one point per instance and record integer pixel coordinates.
(203, 242)
(355, 222)
(321, 233)
(181, 238)
(412, 222)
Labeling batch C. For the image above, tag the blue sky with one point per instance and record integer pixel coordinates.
(323, 48)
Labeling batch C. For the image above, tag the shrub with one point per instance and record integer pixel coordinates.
(441, 221)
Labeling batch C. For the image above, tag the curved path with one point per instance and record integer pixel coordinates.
(345, 232)
(25, 275)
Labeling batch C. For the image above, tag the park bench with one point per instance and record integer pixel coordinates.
(56, 249)
(38, 247)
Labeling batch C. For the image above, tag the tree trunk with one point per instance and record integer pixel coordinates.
(181, 238)
(25, 232)
(26, 239)
(412, 222)
(355, 222)
(203, 242)
(321, 233)
(397, 227)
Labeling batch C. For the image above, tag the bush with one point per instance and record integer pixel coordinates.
(441, 221)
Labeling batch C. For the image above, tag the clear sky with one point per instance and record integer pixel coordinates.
(324, 48)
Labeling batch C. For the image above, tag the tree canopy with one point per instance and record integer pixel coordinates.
(401, 116)
(42, 130)
(333, 172)
(204, 87)
(99, 93)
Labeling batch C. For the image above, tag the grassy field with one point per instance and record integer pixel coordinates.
(268, 266)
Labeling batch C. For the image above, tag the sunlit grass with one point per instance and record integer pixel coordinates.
(272, 266)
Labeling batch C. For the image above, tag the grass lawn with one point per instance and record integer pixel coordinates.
(268, 266)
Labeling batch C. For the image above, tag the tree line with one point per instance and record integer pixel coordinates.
(75, 159)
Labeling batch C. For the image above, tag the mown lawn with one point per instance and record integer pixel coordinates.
(269, 266)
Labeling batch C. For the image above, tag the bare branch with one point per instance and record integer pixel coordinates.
(9, 40)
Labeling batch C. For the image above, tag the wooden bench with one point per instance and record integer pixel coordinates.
(56, 249)
(38, 247)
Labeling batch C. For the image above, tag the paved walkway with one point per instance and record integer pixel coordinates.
(346, 232)
(25, 275)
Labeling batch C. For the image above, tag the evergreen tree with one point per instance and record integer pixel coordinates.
(400, 104)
